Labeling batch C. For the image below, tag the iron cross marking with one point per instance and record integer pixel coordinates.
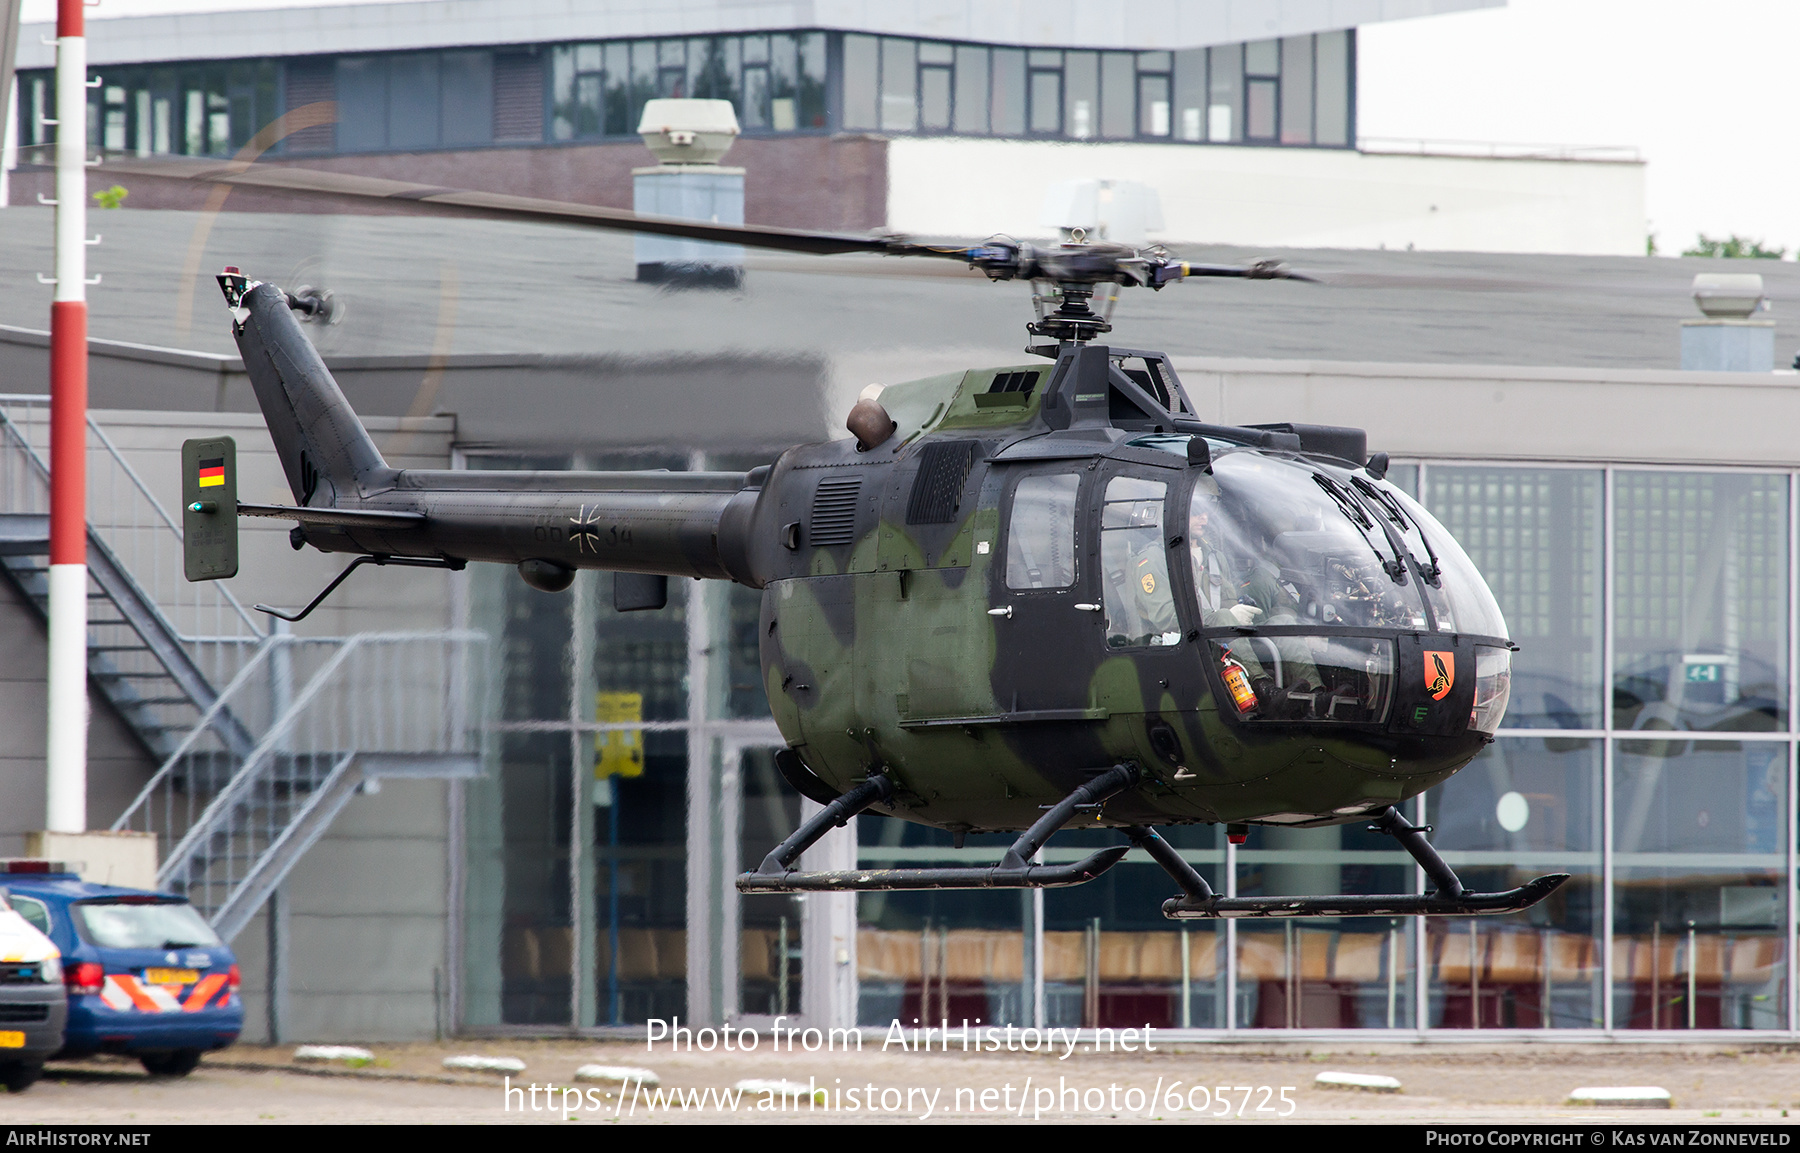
(582, 530)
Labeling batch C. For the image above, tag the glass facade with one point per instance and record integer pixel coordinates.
(208, 108)
(576, 906)
(1296, 91)
(776, 83)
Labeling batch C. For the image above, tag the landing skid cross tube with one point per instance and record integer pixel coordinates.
(1015, 870)
(1449, 899)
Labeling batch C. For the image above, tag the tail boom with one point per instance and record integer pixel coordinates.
(347, 498)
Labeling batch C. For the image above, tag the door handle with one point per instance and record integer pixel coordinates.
(1004, 612)
(1088, 608)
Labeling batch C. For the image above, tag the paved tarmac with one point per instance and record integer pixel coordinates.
(1455, 1083)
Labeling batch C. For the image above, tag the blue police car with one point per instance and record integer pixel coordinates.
(146, 975)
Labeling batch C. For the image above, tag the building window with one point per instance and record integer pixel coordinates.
(1006, 116)
(1081, 94)
(935, 86)
(1701, 621)
(1118, 98)
(899, 88)
(1225, 95)
(414, 100)
(1046, 94)
(775, 82)
(1333, 84)
(1262, 90)
(862, 74)
(204, 109)
(1296, 91)
(971, 86)
(1153, 100)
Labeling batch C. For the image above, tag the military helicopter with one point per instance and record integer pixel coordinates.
(1016, 598)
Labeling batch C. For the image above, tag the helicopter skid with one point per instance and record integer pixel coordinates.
(980, 877)
(1016, 869)
(1395, 905)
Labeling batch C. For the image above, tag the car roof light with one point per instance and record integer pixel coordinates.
(36, 865)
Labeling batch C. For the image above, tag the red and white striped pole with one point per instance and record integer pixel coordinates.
(67, 744)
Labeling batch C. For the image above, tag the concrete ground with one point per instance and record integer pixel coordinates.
(1523, 1083)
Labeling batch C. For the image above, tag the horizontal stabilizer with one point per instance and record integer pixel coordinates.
(347, 517)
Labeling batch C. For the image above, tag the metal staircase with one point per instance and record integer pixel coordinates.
(251, 774)
(331, 717)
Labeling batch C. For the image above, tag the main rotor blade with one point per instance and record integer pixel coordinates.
(1256, 270)
(998, 259)
(502, 206)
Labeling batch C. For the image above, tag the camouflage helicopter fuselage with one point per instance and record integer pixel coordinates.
(909, 627)
(892, 637)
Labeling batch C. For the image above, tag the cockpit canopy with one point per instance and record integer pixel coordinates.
(1277, 541)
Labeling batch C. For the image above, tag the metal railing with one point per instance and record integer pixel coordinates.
(318, 709)
(156, 642)
(251, 774)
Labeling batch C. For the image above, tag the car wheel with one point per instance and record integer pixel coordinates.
(19, 1077)
(179, 1063)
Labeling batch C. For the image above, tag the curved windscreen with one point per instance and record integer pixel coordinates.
(1282, 542)
(1271, 545)
(1462, 601)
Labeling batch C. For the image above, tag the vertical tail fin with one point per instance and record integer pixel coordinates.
(324, 449)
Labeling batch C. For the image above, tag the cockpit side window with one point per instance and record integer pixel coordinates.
(1233, 584)
(1040, 532)
(1140, 605)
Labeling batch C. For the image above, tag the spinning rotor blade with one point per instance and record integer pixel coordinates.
(999, 258)
(1257, 270)
(502, 206)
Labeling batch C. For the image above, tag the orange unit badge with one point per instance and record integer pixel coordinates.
(1440, 674)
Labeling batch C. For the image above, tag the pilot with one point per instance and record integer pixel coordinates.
(1232, 590)
(1239, 589)
(1148, 600)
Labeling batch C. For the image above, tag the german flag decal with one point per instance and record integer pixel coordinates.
(212, 472)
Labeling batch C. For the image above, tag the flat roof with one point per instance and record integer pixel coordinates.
(416, 24)
(547, 336)
(418, 285)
